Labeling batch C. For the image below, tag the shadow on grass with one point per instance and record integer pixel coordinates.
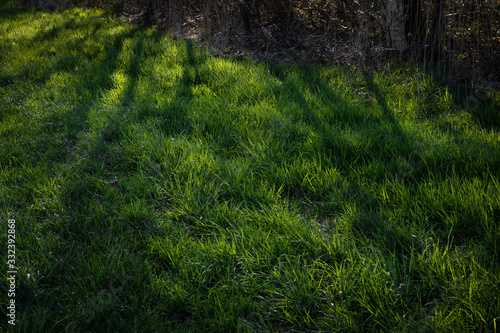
(388, 153)
(331, 117)
(84, 158)
(102, 220)
(85, 192)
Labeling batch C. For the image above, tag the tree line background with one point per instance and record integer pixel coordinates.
(461, 37)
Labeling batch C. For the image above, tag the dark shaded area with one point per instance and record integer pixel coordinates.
(382, 147)
(83, 188)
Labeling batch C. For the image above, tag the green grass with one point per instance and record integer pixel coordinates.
(158, 188)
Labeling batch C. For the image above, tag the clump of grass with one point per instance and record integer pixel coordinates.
(158, 188)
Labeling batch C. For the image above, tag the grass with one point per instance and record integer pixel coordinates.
(158, 188)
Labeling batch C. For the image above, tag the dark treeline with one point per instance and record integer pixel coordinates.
(460, 36)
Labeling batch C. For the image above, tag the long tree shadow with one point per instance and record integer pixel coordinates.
(85, 148)
(66, 118)
(380, 141)
(331, 117)
(93, 79)
(109, 136)
(86, 76)
(100, 155)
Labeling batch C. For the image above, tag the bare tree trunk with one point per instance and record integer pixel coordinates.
(415, 21)
(438, 27)
(167, 13)
(245, 14)
(250, 14)
(150, 9)
(393, 18)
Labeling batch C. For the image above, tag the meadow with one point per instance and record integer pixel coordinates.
(158, 188)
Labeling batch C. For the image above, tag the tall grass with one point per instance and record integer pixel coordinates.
(157, 188)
